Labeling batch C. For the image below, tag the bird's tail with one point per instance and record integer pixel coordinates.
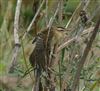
(38, 84)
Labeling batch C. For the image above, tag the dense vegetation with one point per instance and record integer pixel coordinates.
(76, 58)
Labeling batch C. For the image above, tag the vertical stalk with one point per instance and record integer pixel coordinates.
(60, 14)
(46, 15)
(60, 75)
(85, 54)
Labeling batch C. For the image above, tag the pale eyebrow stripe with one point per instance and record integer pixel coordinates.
(60, 29)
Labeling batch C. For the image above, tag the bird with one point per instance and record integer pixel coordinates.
(39, 58)
(43, 43)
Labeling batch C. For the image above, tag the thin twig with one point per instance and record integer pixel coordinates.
(60, 14)
(26, 60)
(46, 15)
(73, 15)
(33, 20)
(65, 44)
(16, 36)
(52, 18)
(85, 54)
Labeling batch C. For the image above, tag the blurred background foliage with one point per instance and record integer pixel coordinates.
(91, 69)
